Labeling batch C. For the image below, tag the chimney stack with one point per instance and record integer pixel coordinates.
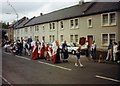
(41, 14)
(81, 2)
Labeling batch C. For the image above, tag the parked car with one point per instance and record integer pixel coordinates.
(72, 48)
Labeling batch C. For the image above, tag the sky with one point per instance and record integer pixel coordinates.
(31, 8)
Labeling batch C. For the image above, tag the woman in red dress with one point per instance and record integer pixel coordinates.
(35, 51)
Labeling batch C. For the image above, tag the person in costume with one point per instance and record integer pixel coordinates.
(56, 52)
(43, 49)
(35, 51)
(65, 52)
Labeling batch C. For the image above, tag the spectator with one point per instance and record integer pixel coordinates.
(65, 52)
(110, 51)
(114, 50)
(94, 50)
(118, 53)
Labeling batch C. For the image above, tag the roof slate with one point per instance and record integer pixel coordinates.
(85, 9)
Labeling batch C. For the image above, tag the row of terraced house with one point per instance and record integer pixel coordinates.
(99, 21)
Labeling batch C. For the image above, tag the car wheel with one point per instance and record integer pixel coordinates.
(73, 52)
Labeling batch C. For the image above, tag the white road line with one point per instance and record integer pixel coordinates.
(102, 77)
(7, 53)
(6, 80)
(22, 57)
(55, 66)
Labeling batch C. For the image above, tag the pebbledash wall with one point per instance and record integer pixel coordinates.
(90, 25)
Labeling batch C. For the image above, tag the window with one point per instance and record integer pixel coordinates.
(112, 37)
(18, 31)
(61, 38)
(106, 38)
(109, 19)
(71, 24)
(112, 18)
(71, 38)
(53, 37)
(76, 38)
(105, 19)
(50, 26)
(26, 30)
(30, 29)
(36, 37)
(50, 38)
(89, 22)
(53, 25)
(36, 28)
(61, 24)
(43, 28)
(76, 23)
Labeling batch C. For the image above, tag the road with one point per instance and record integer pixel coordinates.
(23, 70)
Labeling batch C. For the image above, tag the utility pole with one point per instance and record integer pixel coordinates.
(13, 8)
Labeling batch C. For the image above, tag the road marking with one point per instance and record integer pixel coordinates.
(7, 53)
(22, 57)
(55, 66)
(102, 77)
(6, 80)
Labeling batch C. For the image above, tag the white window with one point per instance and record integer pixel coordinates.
(53, 38)
(76, 23)
(109, 19)
(107, 37)
(26, 29)
(36, 28)
(50, 39)
(61, 24)
(71, 38)
(105, 19)
(112, 19)
(53, 25)
(61, 38)
(18, 31)
(50, 26)
(104, 39)
(30, 29)
(76, 38)
(89, 22)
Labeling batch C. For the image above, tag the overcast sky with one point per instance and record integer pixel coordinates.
(30, 9)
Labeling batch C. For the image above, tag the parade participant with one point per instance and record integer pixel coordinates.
(27, 48)
(78, 57)
(35, 51)
(65, 52)
(42, 50)
(56, 52)
(50, 51)
(39, 49)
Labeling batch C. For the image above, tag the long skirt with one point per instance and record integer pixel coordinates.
(42, 53)
(35, 54)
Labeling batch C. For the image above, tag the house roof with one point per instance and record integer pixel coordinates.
(85, 9)
(17, 23)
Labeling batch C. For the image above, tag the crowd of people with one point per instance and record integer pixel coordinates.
(52, 51)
